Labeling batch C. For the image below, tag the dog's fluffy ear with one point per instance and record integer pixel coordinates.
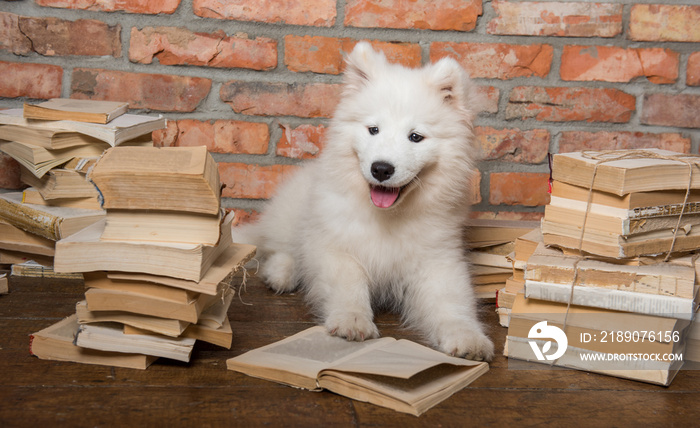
(455, 86)
(362, 65)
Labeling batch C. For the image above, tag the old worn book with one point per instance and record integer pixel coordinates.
(56, 342)
(163, 179)
(85, 252)
(40, 160)
(213, 325)
(615, 245)
(625, 215)
(621, 223)
(34, 269)
(165, 326)
(106, 294)
(30, 195)
(45, 137)
(219, 336)
(60, 183)
(110, 337)
(230, 261)
(579, 196)
(398, 374)
(663, 289)
(486, 232)
(50, 222)
(627, 171)
(78, 110)
(4, 283)
(9, 257)
(675, 277)
(593, 337)
(124, 128)
(13, 238)
(161, 226)
(100, 279)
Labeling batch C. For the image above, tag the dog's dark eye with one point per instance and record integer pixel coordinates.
(373, 130)
(415, 137)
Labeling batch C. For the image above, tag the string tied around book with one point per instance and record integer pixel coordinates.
(615, 155)
(605, 156)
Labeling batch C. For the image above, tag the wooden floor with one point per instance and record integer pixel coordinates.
(36, 393)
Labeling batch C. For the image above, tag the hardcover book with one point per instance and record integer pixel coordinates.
(161, 179)
(56, 342)
(78, 110)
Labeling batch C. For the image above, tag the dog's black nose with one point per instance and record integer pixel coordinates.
(382, 171)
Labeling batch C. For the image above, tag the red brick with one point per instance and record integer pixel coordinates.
(252, 181)
(671, 110)
(53, 36)
(302, 142)
(142, 91)
(615, 64)
(519, 188)
(220, 136)
(457, 15)
(513, 145)
(664, 23)
(9, 173)
(570, 104)
(692, 77)
(489, 97)
(179, 46)
(11, 38)
(572, 141)
(566, 19)
(281, 99)
(29, 80)
(325, 54)
(318, 13)
(130, 6)
(497, 60)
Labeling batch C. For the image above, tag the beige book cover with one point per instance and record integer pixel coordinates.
(75, 109)
(158, 178)
(56, 342)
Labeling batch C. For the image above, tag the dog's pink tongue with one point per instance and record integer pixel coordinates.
(383, 197)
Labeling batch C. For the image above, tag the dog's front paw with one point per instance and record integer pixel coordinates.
(351, 326)
(469, 344)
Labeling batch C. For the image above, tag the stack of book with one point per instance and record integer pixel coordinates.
(157, 268)
(616, 268)
(523, 247)
(490, 242)
(56, 143)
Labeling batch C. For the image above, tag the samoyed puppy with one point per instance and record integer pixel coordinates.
(377, 219)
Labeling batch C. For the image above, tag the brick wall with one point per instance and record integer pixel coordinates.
(256, 81)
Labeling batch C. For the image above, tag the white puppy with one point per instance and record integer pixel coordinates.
(377, 219)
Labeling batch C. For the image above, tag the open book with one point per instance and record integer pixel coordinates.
(398, 374)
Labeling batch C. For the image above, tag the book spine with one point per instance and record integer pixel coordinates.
(626, 301)
(30, 220)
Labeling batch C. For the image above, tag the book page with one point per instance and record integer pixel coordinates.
(298, 359)
(414, 395)
(402, 359)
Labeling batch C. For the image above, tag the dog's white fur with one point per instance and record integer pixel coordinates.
(323, 232)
